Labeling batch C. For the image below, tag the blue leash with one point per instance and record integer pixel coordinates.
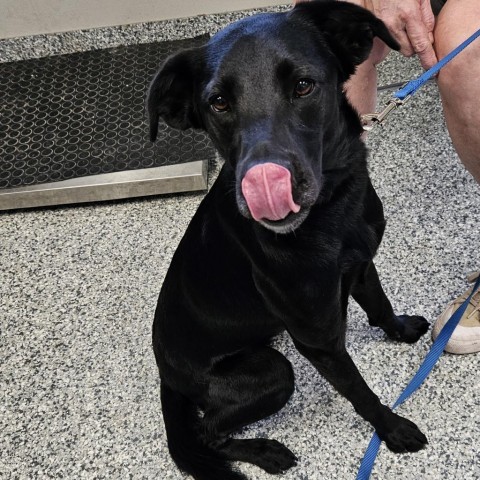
(428, 363)
(413, 85)
(401, 96)
(405, 93)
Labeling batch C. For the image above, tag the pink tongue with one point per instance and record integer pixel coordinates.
(267, 188)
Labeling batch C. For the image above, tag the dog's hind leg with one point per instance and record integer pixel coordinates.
(369, 294)
(186, 447)
(244, 388)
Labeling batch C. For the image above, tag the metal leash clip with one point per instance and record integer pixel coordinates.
(369, 120)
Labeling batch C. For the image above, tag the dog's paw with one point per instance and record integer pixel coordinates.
(403, 435)
(409, 328)
(272, 456)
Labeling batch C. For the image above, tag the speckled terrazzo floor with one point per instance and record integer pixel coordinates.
(78, 382)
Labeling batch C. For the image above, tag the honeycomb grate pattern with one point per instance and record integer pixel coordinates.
(81, 114)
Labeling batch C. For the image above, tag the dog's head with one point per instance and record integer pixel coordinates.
(269, 91)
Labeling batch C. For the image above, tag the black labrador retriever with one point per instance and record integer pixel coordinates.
(286, 234)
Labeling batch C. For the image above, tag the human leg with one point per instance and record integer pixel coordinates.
(361, 88)
(460, 93)
(458, 81)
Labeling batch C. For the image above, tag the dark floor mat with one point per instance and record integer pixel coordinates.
(82, 114)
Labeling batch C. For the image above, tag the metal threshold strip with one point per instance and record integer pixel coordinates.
(109, 186)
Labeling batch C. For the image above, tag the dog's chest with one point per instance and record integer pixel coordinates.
(296, 278)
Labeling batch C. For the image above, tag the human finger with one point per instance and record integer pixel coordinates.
(427, 15)
(402, 38)
(421, 43)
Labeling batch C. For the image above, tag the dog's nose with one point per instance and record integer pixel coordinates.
(267, 189)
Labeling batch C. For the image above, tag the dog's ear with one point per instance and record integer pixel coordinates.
(348, 29)
(172, 91)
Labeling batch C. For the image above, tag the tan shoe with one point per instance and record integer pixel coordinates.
(466, 336)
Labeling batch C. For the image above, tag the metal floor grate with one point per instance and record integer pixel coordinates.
(71, 124)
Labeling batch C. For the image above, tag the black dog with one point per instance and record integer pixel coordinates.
(286, 234)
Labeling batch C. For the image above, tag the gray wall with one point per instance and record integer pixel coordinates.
(30, 17)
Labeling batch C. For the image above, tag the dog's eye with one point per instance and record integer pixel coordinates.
(304, 87)
(219, 104)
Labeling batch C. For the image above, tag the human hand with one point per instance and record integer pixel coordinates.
(411, 22)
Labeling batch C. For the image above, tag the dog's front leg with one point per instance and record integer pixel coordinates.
(337, 367)
(368, 293)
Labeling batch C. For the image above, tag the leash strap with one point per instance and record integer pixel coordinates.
(401, 96)
(425, 368)
(411, 87)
